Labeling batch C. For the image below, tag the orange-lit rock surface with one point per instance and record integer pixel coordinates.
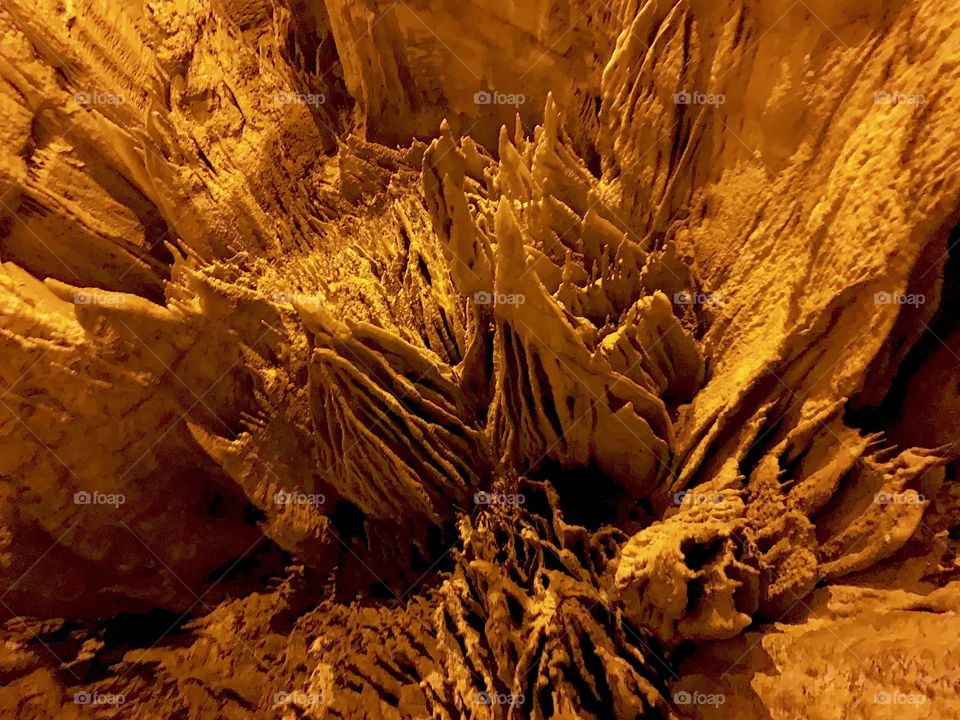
(437, 360)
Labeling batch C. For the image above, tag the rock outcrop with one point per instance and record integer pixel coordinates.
(412, 359)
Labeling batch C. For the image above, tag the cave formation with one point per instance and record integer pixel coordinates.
(424, 359)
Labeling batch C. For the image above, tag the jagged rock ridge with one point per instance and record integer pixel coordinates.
(397, 360)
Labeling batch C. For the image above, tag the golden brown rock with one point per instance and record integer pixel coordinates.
(420, 359)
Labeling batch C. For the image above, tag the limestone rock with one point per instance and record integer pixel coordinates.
(422, 359)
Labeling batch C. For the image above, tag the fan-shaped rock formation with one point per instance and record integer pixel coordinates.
(421, 360)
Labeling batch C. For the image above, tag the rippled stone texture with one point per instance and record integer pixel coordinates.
(420, 359)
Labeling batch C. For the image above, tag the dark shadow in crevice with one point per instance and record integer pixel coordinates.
(946, 320)
(588, 497)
